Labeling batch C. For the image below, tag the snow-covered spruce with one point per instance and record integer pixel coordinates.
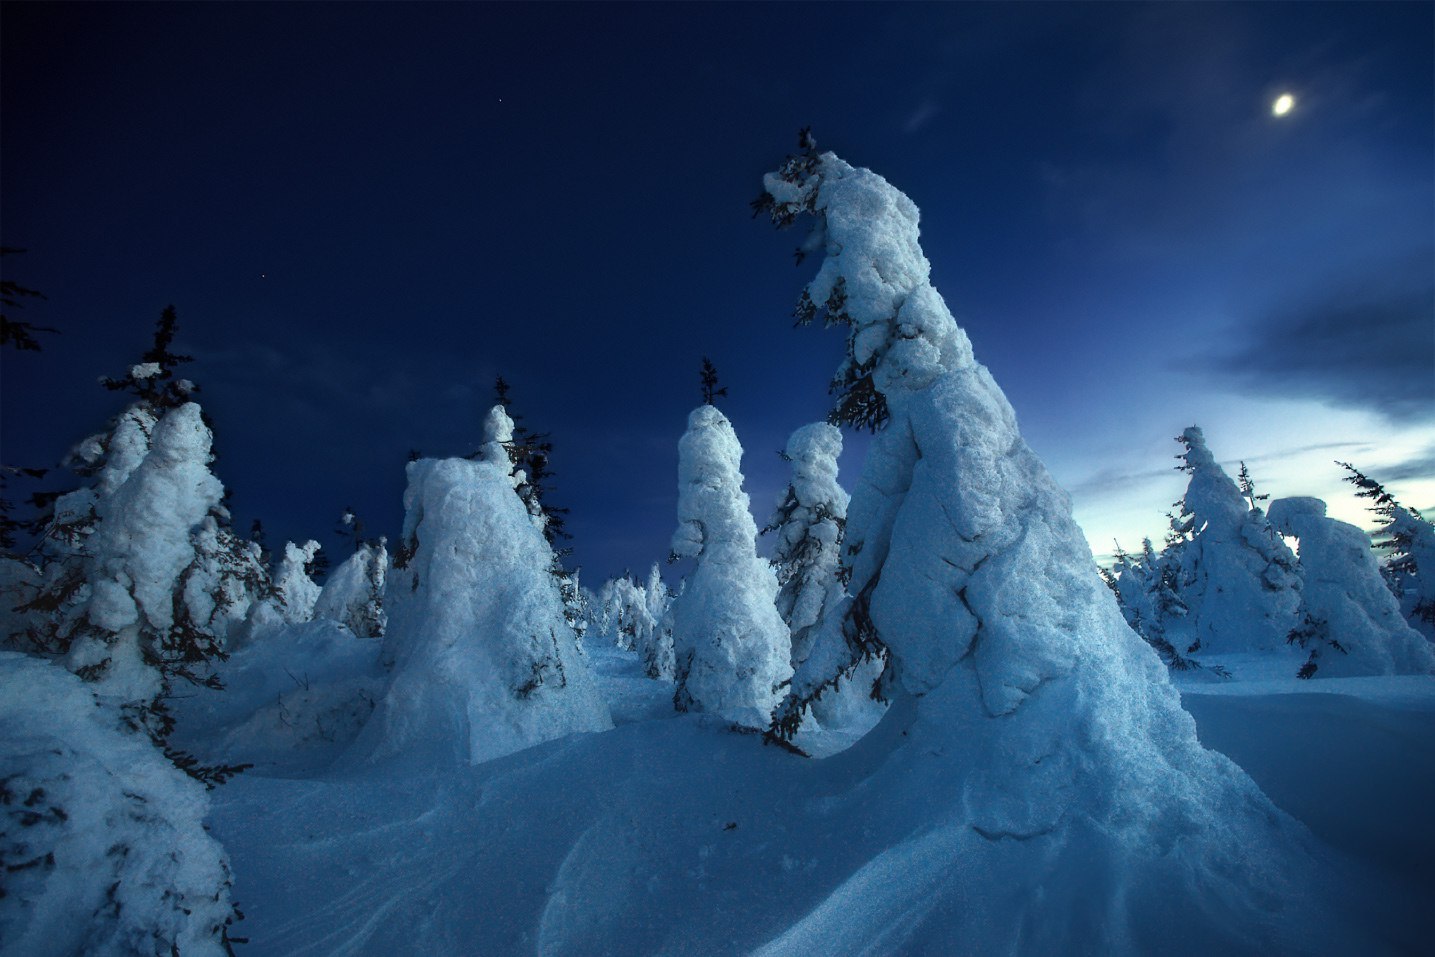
(354, 593)
(1408, 540)
(103, 840)
(730, 645)
(1235, 577)
(655, 644)
(1148, 595)
(1034, 741)
(484, 662)
(1349, 619)
(808, 520)
(297, 591)
(139, 555)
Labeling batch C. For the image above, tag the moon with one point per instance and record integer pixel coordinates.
(1283, 104)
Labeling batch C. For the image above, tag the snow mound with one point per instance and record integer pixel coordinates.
(1350, 616)
(103, 840)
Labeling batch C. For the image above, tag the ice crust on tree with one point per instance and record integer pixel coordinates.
(1237, 579)
(484, 662)
(730, 645)
(104, 840)
(1345, 600)
(353, 595)
(1035, 730)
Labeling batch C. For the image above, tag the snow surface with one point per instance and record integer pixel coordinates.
(674, 835)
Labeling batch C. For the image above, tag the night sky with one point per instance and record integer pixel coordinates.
(364, 214)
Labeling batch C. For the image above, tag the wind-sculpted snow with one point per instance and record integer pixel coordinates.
(730, 645)
(1350, 618)
(1028, 722)
(102, 839)
(483, 661)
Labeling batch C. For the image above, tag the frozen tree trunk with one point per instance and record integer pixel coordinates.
(1030, 728)
(484, 662)
(730, 645)
(1350, 620)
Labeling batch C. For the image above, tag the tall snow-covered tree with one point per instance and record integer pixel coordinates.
(1036, 731)
(655, 642)
(1408, 541)
(1237, 579)
(730, 645)
(484, 661)
(1349, 619)
(810, 515)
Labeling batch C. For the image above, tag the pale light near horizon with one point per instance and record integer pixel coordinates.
(1283, 104)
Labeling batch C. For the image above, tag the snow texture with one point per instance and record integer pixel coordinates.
(103, 840)
(484, 662)
(1349, 616)
(730, 644)
(293, 699)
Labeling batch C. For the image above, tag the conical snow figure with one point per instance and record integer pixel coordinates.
(354, 594)
(729, 643)
(1235, 577)
(1034, 741)
(1350, 621)
(484, 662)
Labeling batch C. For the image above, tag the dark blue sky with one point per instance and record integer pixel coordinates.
(363, 214)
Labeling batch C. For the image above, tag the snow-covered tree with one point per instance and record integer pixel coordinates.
(808, 520)
(484, 661)
(1028, 722)
(1237, 579)
(104, 843)
(655, 640)
(1148, 595)
(1408, 541)
(296, 590)
(730, 645)
(1349, 619)
(354, 594)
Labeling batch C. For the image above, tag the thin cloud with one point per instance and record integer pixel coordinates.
(921, 116)
(1374, 349)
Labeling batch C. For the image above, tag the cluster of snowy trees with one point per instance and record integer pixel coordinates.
(1227, 580)
(953, 583)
